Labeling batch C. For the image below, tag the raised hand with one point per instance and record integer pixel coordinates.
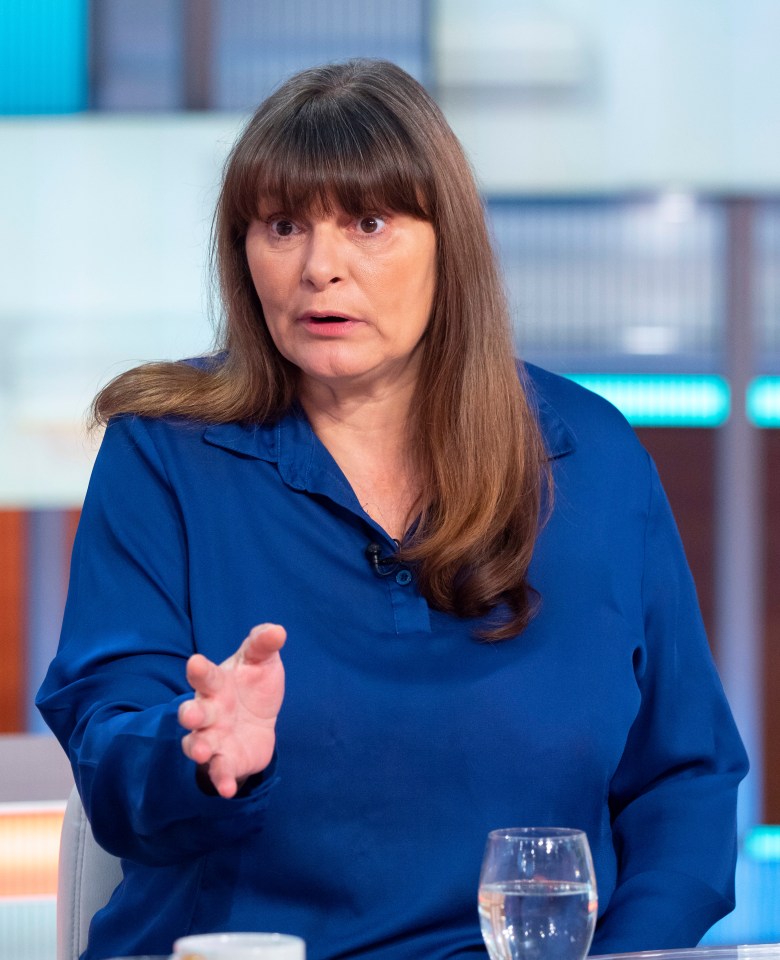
(232, 718)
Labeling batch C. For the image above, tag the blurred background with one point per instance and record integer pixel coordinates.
(629, 156)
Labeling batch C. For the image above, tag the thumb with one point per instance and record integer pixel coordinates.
(263, 642)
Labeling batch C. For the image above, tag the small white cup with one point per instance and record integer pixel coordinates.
(240, 946)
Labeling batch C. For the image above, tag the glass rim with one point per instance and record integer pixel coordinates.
(535, 833)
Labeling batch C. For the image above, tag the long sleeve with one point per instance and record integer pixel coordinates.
(112, 692)
(673, 796)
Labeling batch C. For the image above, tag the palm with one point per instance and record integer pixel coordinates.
(233, 716)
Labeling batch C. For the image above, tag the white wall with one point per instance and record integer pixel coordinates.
(104, 219)
(104, 225)
(602, 95)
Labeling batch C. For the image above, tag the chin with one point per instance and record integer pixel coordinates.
(336, 368)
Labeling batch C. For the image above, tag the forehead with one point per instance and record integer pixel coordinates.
(317, 208)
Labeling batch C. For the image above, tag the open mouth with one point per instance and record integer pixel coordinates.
(330, 319)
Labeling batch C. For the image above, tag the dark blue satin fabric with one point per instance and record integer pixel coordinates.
(402, 740)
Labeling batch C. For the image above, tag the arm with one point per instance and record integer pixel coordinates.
(113, 691)
(673, 796)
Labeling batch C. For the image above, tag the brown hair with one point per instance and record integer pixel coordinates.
(366, 136)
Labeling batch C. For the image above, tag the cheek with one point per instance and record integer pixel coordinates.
(421, 283)
(423, 266)
(264, 281)
(271, 273)
(280, 331)
(274, 296)
(407, 292)
(412, 278)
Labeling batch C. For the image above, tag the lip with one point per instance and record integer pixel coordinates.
(312, 321)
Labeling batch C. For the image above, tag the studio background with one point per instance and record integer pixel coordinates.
(628, 156)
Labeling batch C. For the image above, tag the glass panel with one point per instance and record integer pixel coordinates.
(137, 55)
(258, 44)
(767, 277)
(600, 285)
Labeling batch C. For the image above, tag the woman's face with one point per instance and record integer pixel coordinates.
(346, 299)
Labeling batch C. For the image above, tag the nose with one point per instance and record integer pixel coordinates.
(324, 262)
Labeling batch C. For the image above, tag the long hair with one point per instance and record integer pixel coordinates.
(365, 136)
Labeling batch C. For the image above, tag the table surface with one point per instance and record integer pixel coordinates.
(750, 951)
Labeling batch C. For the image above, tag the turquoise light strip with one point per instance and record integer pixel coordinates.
(650, 400)
(43, 56)
(763, 401)
(763, 843)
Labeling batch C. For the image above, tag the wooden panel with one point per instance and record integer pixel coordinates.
(13, 560)
(771, 440)
(71, 524)
(686, 462)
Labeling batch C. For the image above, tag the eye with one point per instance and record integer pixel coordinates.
(282, 227)
(371, 224)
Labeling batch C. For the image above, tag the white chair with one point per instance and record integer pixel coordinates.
(86, 877)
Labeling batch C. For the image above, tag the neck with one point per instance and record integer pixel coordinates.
(368, 438)
(373, 422)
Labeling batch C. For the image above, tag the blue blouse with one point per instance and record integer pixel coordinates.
(402, 739)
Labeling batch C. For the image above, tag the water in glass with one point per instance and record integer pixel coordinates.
(537, 895)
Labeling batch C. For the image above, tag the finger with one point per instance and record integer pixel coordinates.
(202, 675)
(222, 775)
(198, 747)
(263, 642)
(189, 715)
(187, 743)
(197, 714)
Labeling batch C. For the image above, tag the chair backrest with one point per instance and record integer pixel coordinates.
(87, 876)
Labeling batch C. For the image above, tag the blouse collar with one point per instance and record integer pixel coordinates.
(304, 462)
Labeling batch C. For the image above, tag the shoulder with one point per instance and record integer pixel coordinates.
(176, 443)
(593, 424)
(137, 451)
(598, 459)
(208, 362)
(578, 406)
(150, 433)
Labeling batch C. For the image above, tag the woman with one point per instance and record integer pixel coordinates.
(488, 614)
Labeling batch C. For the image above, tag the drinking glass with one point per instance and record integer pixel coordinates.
(537, 894)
